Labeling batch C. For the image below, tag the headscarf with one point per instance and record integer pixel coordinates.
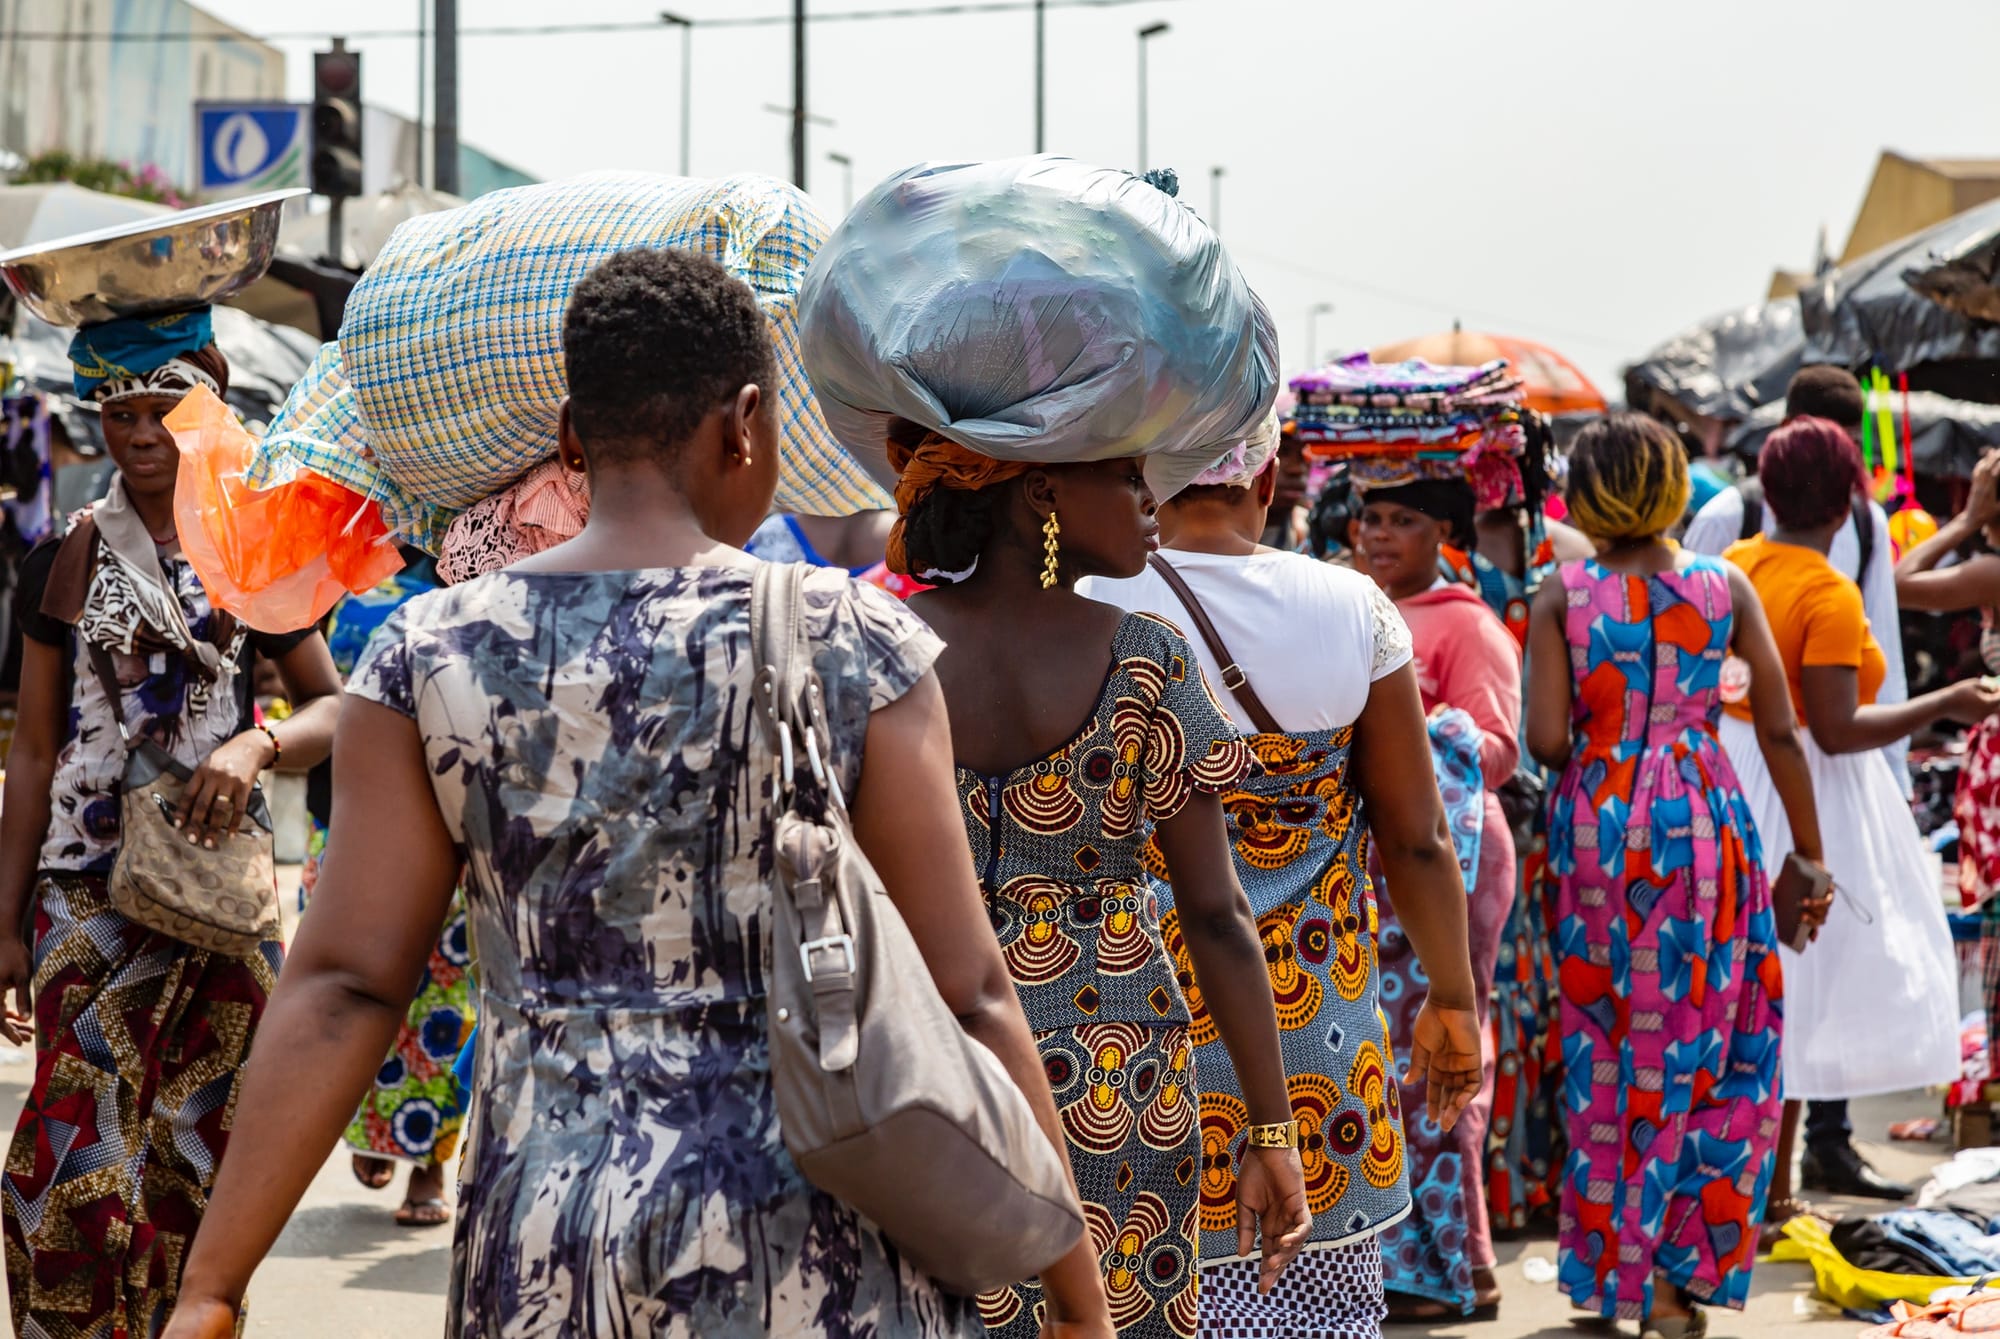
(938, 462)
(1448, 501)
(137, 355)
(1246, 460)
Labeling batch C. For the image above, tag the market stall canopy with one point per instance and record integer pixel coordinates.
(1964, 278)
(1869, 312)
(1947, 436)
(1552, 383)
(1727, 367)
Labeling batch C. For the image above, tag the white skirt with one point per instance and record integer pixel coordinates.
(1871, 1006)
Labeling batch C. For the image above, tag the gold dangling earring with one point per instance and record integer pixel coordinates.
(1049, 532)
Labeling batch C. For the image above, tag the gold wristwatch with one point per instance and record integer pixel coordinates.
(1285, 1134)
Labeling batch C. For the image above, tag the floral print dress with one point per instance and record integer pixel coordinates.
(592, 750)
(1666, 947)
(1057, 843)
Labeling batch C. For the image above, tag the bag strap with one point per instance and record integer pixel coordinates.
(1751, 490)
(1233, 677)
(790, 705)
(1864, 531)
(107, 679)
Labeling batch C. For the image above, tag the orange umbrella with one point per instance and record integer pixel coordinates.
(1552, 382)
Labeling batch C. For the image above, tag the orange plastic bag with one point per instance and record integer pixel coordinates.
(277, 558)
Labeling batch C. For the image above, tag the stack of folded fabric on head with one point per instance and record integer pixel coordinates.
(437, 406)
(1396, 423)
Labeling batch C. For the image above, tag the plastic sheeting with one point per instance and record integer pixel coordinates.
(1947, 436)
(1964, 278)
(1868, 311)
(1730, 365)
(1036, 308)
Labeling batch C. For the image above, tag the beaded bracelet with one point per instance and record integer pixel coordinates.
(277, 749)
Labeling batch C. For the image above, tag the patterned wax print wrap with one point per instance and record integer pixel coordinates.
(1058, 844)
(444, 385)
(1666, 945)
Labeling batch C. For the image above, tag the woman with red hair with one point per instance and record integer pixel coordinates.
(1871, 1006)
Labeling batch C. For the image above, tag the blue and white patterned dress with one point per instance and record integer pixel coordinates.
(592, 750)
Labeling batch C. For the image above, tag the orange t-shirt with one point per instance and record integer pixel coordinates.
(1815, 614)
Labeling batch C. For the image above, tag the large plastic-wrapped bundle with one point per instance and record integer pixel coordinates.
(1036, 309)
(445, 382)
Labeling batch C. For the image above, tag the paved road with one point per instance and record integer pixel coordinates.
(344, 1270)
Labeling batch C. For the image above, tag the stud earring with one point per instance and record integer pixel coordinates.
(1049, 532)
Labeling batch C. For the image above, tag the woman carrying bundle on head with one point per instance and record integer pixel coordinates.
(140, 1038)
(1078, 732)
(1322, 674)
(1665, 936)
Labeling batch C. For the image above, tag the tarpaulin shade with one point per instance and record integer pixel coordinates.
(1947, 436)
(1728, 366)
(1868, 312)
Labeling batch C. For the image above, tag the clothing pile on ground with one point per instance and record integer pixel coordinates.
(1399, 422)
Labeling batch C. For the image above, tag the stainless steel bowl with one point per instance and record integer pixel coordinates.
(150, 267)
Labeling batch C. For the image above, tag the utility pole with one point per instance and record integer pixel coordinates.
(444, 144)
(687, 79)
(1041, 89)
(799, 93)
(1215, 200)
(846, 175)
(1149, 31)
(1318, 310)
(423, 81)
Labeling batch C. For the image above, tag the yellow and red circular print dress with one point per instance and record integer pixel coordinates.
(1057, 844)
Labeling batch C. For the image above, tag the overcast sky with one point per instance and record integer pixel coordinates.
(1592, 173)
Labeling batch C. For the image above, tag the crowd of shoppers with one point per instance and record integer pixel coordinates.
(1306, 1022)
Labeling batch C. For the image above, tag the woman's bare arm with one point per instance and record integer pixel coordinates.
(24, 818)
(1771, 712)
(1549, 689)
(1413, 842)
(351, 974)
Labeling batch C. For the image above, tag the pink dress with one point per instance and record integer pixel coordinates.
(1666, 950)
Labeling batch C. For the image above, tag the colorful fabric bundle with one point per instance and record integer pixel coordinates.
(444, 385)
(1397, 423)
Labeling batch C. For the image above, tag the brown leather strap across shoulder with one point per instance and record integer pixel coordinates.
(1234, 680)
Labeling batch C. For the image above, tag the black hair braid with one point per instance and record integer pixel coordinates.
(948, 528)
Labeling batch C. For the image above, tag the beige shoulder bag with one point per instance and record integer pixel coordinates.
(884, 1102)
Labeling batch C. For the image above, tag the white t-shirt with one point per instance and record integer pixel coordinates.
(1309, 636)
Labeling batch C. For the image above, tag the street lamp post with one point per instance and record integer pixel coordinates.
(846, 175)
(1215, 200)
(1150, 30)
(1041, 21)
(687, 78)
(1319, 309)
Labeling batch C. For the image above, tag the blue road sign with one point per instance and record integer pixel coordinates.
(250, 146)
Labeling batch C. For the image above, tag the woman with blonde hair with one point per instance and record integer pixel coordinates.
(1665, 933)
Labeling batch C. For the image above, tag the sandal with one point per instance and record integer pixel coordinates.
(1694, 1325)
(423, 1213)
(375, 1173)
(1409, 1309)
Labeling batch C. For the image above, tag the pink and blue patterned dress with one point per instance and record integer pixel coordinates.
(1666, 948)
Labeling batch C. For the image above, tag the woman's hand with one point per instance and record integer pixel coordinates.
(201, 1318)
(1813, 910)
(17, 973)
(1982, 506)
(1971, 701)
(216, 798)
(1445, 1057)
(1271, 1199)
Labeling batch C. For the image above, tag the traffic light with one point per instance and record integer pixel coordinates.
(336, 151)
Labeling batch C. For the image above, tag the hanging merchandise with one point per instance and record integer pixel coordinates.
(1396, 423)
(276, 557)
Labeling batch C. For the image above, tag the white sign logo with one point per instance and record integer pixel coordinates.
(241, 146)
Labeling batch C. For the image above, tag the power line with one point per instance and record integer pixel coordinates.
(963, 7)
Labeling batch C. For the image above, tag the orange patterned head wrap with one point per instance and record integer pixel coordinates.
(938, 462)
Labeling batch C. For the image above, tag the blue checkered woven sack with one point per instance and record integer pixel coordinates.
(446, 380)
